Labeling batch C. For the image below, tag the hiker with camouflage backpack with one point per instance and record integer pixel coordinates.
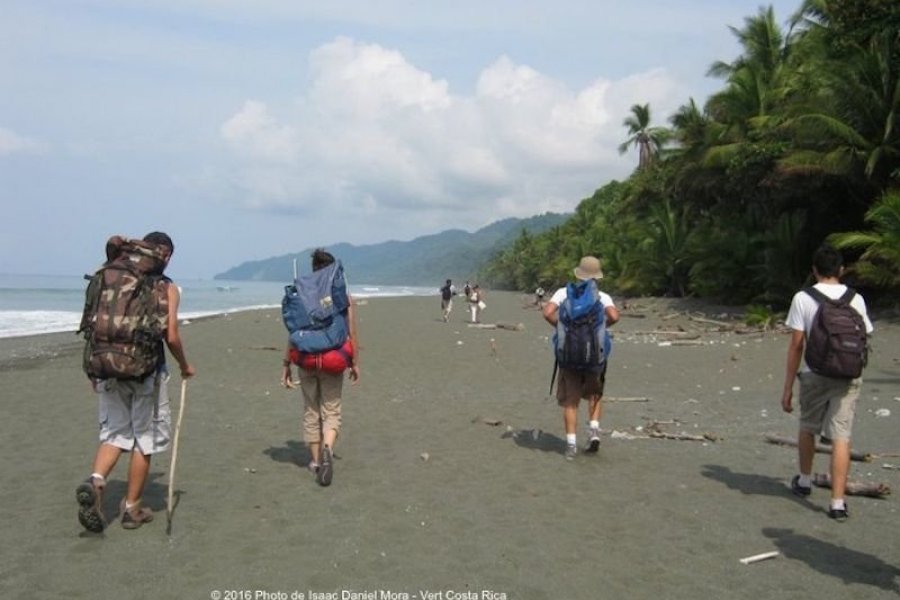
(830, 321)
(131, 308)
(580, 312)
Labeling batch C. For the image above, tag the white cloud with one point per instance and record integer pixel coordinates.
(258, 135)
(13, 143)
(374, 132)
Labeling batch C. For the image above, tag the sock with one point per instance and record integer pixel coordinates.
(595, 424)
(570, 439)
(804, 481)
(100, 479)
(838, 504)
(129, 505)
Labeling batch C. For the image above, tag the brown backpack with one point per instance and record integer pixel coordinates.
(125, 311)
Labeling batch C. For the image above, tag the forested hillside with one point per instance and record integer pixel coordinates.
(426, 260)
(730, 198)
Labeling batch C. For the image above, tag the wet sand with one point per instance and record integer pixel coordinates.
(450, 476)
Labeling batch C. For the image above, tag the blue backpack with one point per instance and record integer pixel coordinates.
(581, 342)
(314, 310)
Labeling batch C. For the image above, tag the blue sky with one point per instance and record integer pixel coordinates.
(249, 129)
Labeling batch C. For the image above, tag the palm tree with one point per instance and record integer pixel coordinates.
(851, 126)
(755, 79)
(880, 262)
(648, 140)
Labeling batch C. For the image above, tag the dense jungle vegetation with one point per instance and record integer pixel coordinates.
(730, 199)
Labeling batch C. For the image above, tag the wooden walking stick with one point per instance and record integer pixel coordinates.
(169, 507)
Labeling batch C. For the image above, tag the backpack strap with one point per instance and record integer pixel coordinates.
(819, 297)
(553, 377)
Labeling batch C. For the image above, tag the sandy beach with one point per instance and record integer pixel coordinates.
(450, 476)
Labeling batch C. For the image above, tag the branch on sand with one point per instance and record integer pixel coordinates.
(509, 326)
(871, 489)
(820, 447)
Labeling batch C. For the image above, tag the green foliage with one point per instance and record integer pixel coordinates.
(758, 315)
(731, 201)
(879, 263)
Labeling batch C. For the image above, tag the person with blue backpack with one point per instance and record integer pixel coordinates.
(581, 313)
(323, 342)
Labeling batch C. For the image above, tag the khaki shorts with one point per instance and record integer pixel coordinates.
(321, 403)
(134, 415)
(827, 405)
(572, 386)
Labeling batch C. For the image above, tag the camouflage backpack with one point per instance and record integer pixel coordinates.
(125, 311)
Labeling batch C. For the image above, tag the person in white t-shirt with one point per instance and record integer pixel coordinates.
(575, 385)
(827, 404)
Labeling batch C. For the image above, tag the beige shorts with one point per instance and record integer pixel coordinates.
(827, 405)
(134, 415)
(572, 386)
(321, 403)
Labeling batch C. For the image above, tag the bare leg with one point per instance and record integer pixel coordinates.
(329, 438)
(806, 448)
(595, 410)
(138, 470)
(106, 458)
(570, 418)
(840, 466)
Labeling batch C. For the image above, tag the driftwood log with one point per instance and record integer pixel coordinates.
(687, 437)
(821, 448)
(654, 430)
(706, 321)
(678, 335)
(509, 326)
(871, 489)
(626, 399)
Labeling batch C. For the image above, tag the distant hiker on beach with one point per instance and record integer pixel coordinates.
(580, 312)
(447, 293)
(476, 303)
(323, 341)
(467, 290)
(539, 297)
(830, 321)
(130, 309)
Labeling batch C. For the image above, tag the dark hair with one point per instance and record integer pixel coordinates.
(321, 259)
(448, 281)
(160, 239)
(827, 261)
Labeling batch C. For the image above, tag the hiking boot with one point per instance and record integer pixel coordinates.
(839, 514)
(593, 440)
(326, 468)
(799, 490)
(134, 517)
(89, 495)
(571, 451)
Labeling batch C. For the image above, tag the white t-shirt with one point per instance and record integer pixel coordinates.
(803, 309)
(561, 294)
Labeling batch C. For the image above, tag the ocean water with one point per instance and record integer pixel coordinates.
(34, 304)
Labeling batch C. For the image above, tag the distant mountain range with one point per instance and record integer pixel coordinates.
(426, 260)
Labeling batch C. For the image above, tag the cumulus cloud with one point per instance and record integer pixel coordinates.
(373, 133)
(13, 143)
